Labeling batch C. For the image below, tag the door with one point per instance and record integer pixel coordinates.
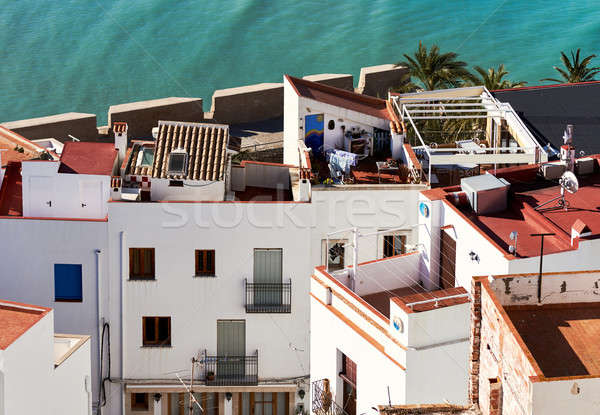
(41, 196)
(231, 348)
(447, 260)
(268, 264)
(313, 137)
(90, 199)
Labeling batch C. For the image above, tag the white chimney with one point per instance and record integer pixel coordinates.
(396, 141)
(120, 130)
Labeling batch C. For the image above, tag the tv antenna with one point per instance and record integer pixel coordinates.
(568, 181)
(513, 237)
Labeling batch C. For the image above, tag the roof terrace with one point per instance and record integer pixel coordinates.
(559, 329)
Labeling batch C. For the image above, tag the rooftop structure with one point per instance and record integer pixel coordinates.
(88, 158)
(351, 139)
(537, 339)
(31, 355)
(14, 147)
(546, 109)
(432, 409)
(466, 128)
(377, 331)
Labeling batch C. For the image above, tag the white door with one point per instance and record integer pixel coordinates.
(90, 199)
(41, 197)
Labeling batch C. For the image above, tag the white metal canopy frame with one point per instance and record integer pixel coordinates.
(469, 103)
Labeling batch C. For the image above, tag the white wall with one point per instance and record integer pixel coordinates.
(291, 122)
(70, 394)
(28, 366)
(195, 304)
(374, 371)
(192, 190)
(27, 273)
(567, 396)
(47, 193)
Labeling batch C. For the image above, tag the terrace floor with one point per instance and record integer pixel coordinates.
(381, 300)
(364, 173)
(563, 338)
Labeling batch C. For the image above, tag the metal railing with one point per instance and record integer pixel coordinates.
(268, 297)
(231, 370)
(322, 400)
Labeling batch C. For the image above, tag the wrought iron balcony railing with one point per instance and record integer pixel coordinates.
(322, 399)
(231, 370)
(268, 297)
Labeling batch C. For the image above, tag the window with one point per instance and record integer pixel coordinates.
(205, 262)
(334, 254)
(139, 402)
(177, 162)
(141, 263)
(156, 331)
(394, 245)
(67, 282)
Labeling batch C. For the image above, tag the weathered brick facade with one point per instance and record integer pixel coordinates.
(500, 368)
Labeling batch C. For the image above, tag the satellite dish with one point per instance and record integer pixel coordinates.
(569, 182)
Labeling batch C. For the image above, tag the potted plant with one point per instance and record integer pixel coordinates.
(210, 375)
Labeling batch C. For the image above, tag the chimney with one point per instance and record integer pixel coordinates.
(120, 130)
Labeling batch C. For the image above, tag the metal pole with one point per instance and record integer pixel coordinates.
(192, 387)
(542, 235)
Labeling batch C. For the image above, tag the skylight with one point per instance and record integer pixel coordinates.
(178, 162)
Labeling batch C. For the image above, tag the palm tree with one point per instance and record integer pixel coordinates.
(492, 78)
(435, 70)
(576, 70)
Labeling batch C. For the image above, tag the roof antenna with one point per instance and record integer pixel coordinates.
(73, 138)
(568, 181)
(513, 248)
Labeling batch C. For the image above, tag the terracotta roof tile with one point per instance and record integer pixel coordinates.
(9, 141)
(375, 107)
(16, 319)
(205, 145)
(88, 158)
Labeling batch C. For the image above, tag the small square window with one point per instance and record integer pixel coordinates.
(139, 402)
(156, 331)
(205, 262)
(394, 245)
(141, 263)
(177, 163)
(67, 282)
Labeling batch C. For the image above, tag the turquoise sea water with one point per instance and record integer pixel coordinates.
(69, 55)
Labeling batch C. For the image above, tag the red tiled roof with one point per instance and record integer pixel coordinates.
(432, 295)
(11, 198)
(88, 158)
(340, 97)
(9, 140)
(16, 319)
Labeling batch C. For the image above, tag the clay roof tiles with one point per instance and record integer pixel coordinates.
(205, 145)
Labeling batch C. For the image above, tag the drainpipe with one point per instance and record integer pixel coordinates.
(354, 258)
(88, 389)
(100, 321)
(122, 276)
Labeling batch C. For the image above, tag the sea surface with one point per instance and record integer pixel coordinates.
(84, 55)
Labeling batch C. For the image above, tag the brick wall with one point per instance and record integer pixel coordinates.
(500, 369)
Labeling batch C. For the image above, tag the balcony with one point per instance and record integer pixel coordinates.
(322, 399)
(268, 297)
(231, 370)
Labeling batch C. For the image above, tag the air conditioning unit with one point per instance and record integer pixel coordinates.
(553, 171)
(486, 193)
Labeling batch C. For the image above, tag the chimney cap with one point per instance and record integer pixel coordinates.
(120, 127)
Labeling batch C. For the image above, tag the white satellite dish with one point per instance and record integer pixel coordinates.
(568, 181)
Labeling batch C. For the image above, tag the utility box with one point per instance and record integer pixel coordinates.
(584, 166)
(486, 193)
(553, 171)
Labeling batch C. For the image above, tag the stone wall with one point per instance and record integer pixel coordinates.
(377, 80)
(142, 116)
(343, 81)
(59, 126)
(246, 104)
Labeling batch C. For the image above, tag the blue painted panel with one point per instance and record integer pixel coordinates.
(67, 282)
(313, 137)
